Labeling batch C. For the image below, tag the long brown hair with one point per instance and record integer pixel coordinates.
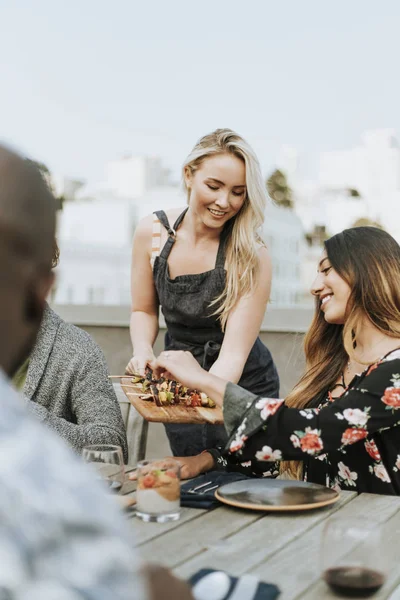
(368, 259)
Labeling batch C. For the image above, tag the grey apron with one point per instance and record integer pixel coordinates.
(185, 304)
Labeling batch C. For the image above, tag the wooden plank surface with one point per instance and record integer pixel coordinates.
(144, 532)
(296, 567)
(280, 548)
(169, 414)
(388, 554)
(197, 535)
(246, 547)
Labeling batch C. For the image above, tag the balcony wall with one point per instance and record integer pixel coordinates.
(282, 331)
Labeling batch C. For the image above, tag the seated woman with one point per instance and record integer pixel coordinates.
(65, 382)
(340, 425)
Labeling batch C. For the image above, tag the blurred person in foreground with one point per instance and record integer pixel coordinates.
(61, 536)
(65, 383)
(339, 427)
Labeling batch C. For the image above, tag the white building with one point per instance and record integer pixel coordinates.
(283, 233)
(334, 207)
(96, 232)
(373, 169)
(132, 176)
(93, 274)
(95, 238)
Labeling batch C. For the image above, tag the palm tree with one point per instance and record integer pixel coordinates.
(366, 222)
(279, 190)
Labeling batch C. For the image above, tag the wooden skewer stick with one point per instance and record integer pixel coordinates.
(125, 376)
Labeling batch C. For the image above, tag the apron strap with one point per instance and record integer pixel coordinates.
(220, 261)
(180, 219)
(171, 231)
(164, 221)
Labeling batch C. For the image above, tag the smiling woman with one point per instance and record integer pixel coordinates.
(340, 425)
(333, 292)
(210, 272)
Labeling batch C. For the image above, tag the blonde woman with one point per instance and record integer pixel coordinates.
(208, 269)
(340, 425)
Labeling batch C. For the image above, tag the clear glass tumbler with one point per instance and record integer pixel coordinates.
(108, 461)
(158, 490)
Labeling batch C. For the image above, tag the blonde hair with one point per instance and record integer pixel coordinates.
(368, 260)
(243, 241)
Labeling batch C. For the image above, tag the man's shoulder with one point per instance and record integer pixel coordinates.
(77, 341)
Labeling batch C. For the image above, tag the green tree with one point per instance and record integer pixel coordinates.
(317, 236)
(279, 189)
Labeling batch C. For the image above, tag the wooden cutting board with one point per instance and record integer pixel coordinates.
(169, 414)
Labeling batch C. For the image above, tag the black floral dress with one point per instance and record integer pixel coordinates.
(351, 442)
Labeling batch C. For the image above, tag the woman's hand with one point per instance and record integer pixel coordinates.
(179, 365)
(183, 367)
(138, 363)
(191, 466)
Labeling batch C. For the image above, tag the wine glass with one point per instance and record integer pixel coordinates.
(108, 461)
(352, 557)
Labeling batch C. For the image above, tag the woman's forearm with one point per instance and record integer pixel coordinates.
(213, 386)
(144, 330)
(228, 369)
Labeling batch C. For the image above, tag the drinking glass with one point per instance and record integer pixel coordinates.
(109, 463)
(353, 563)
(158, 490)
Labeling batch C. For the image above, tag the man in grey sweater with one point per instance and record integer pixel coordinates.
(61, 535)
(65, 381)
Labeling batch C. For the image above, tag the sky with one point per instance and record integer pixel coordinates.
(87, 81)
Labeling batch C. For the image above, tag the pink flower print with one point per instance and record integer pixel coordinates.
(267, 454)
(346, 475)
(268, 406)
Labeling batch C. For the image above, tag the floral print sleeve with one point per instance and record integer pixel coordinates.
(270, 431)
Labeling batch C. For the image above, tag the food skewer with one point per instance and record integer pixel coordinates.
(166, 392)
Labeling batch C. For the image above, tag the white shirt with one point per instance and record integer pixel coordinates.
(62, 537)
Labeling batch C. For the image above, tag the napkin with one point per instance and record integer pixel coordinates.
(208, 499)
(265, 591)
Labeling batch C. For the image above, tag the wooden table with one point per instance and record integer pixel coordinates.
(281, 548)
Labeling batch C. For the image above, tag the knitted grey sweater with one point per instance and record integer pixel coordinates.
(67, 387)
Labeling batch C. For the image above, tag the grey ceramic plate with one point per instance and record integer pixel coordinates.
(276, 494)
